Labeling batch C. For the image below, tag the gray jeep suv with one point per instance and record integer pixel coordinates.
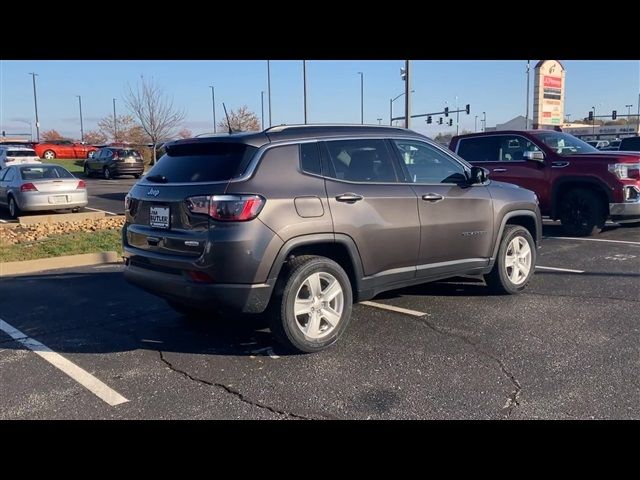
(302, 221)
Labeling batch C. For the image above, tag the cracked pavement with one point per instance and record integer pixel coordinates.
(567, 348)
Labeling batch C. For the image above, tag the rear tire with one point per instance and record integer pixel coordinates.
(14, 209)
(581, 213)
(49, 155)
(504, 277)
(311, 306)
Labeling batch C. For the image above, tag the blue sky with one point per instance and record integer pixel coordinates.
(496, 87)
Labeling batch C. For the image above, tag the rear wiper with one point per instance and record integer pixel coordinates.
(157, 178)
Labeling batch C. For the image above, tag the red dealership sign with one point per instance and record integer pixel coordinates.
(553, 82)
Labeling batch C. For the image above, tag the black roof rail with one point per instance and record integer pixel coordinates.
(283, 127)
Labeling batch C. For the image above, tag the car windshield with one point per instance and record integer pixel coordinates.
(21, 153)
(565, 144)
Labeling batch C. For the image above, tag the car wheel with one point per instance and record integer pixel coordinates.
(87, 171)
(582, 214)
(49, 154)
(14, 209)
(515, 263)
(186, 310)
(311, 307)
(106, 173)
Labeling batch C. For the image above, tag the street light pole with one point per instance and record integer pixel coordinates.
(629, 113)
(379, 121)
(361, 97)
(475, 124)
(213, 106)
(81, 126)
(115, 123)
(391, 106)
(526, 122)
(593, 122)
(484, 121)
(304, 78)
(457, 116)
(407, 93)
(262, 109)
(269, 88)
(35, 101)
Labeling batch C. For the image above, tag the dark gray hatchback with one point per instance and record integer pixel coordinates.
(301, 221)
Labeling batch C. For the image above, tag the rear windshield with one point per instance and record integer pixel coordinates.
(44, 173)
(203, 162)
(21, 153)
(128, 153)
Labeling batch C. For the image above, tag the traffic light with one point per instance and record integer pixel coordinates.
(403, 74)
(614, 115)
(429, 119)
(451, 122)
(446, 111)
(591, 116)
(440, 120)
(468, 109)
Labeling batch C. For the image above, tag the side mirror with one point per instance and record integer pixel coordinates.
(478, 175)
(535, 156)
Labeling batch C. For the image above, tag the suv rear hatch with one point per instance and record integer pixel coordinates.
(160, 208)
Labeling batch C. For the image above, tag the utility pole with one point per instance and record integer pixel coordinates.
(304, 78)
(593, 122)
(361, 98)
(407, 94)
(526, 122)
(262, 109)
(484, 121)
(269, 88)
(115, 122)
(475, 124)
(35, 101)
(81, 126)
(457, 116)
(213, 106)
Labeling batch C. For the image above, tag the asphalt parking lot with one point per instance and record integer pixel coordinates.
(568, 348)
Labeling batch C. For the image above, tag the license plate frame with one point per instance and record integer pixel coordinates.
(59, 199)
(159, 217)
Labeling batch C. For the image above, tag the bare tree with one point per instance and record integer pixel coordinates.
(154, 110)
(241, 120)
(185, 133)
(95, 137)
(127, 129)
(49, 135)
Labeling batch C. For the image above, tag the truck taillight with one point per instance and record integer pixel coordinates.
(227, 208)
(28, 187)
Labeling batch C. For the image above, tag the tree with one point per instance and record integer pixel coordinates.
(242, 120)
(95, 137)
(49, 135)
(154, 110)
(126, 129)
(185, 133)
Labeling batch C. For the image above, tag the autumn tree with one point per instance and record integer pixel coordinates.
(49, 135)
(125, 130)
(154, 110)
(185, 133)
(241, 120)
(95, 137)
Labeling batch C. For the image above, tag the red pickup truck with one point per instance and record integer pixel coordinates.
(63, 149)
(575, 183)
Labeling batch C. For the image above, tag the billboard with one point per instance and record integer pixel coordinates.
(548, 94)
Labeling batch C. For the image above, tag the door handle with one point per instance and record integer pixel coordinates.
(432, 197)
(499, 170)
(349, 197)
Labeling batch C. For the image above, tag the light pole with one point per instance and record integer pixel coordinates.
(379, 121)
(262, 109)
(407, 91)
(213, 106)
(35, 101)
(475, 124)
(269, 88)
(391, 106)
(304, 78)
(484, 121)
(593, 122)
(457, 116)
(115, 123)
(81, 125)
(361, 98)
(629, 113)
(526, 122)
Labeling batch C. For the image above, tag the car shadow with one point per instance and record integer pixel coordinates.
(451, 287)
(558, 231)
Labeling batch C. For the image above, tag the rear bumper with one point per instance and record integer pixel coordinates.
(126, 170)
(173, 284)
(34, 201)
(625, 212)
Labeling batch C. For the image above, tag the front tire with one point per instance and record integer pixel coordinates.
(49, 155)
(14, 209)
(87, 171)
(582, 214)
(515, 263)
(312, 304)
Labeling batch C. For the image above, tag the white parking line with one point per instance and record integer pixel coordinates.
(555, 269)
(78, 374)
(382, 306)
(3, 221)
(594, 240)
(98, 210)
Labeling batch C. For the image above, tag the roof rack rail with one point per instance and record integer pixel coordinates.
(284, 126)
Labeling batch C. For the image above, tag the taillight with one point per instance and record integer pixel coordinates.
(227, 208)
(199, 277)
(28, 187)
(81, 185)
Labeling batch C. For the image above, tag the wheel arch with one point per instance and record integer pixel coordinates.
(565, 184)
(525, 218)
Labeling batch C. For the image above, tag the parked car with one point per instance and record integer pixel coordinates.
(630, 144)
(15, 155)
(302, 221)
(576, 184)
(40, 186)
(113, 161)
(599, 144)
(63, 149)
(613, 145)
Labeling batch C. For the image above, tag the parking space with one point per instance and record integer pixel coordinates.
(567, 348)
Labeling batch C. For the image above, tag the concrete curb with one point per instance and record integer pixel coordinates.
(53, 263)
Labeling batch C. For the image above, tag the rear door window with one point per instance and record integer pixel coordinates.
(366, 160)
(203, 162)
(480, 149)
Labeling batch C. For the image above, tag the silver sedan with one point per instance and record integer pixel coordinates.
(38, 187)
